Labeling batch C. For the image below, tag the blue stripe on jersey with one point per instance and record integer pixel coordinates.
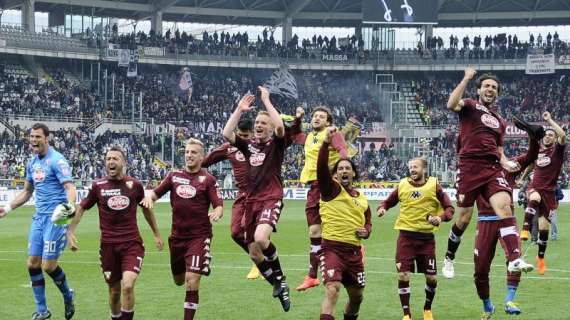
(488, 218)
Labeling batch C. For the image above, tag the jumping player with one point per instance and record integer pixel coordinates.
(264, 153)
(320, 120)
(192, 191)
(239, 166)
(481, 162)
(541, 193)
(423, 206)
(117, 197)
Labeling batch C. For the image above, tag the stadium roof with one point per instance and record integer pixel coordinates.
(452, 13)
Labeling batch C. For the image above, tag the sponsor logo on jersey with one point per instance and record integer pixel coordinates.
(416, 195)
(110, 192)
(186, 191)
(257, 159)
(490, 121)
(118, 202)
(179, 180)
(543, 160)
(481, 108)
(39, 174)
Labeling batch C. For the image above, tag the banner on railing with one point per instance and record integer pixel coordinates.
(152, 51)
(540, 63)
(288, 194)
(335, 57)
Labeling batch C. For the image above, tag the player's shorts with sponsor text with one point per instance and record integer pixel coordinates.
(415, 255)
(46, 239)
(312, 206)
(190, 255)
(479, 177)
(548, 203)
(117, 258)
(238, 215)
(261, 212)
(342, 262)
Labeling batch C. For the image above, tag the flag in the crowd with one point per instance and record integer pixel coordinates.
(282, 83)
(185, 80)
(351, 130)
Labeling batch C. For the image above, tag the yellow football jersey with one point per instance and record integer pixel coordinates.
(342, 216)
(416, 204)
(313, 143)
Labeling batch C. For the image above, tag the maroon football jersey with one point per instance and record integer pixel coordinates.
(481, 131)
(237, 160)
(264, 170)
(483, 206)
(190, 197)
(117, 201)
(547, 167)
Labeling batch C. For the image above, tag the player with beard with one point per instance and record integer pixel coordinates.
(320, 120)
(264, 153)
(122, 250)
(49, 180)
(481, 163)
(541, 193)
(239, 166)
(345, 216)
(192, 191)
(489, 232)
(423, 206)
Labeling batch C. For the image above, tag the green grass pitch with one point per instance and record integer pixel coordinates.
(226, 294)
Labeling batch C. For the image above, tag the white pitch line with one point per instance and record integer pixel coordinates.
(496, 264)
(166, 265)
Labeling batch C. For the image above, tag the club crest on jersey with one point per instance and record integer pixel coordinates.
(118, 202)
(39, 174)
(330, 273)
(201, 179)
(107, 274)
(490, 121)
(186, 191)
(129, 184)
(543, 160)
(257, 159)
(415, 195)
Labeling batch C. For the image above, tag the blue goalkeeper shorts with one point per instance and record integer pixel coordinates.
(46, 240)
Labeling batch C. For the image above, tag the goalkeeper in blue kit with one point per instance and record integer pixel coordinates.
(49, 175)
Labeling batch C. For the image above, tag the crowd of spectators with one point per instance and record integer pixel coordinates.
(500, 46)
(240, 44)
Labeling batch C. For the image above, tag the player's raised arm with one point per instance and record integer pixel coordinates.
(327, 186)
(243, 106)
(273, 114)
(559, 131)
(21, 198)
(455, 103)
